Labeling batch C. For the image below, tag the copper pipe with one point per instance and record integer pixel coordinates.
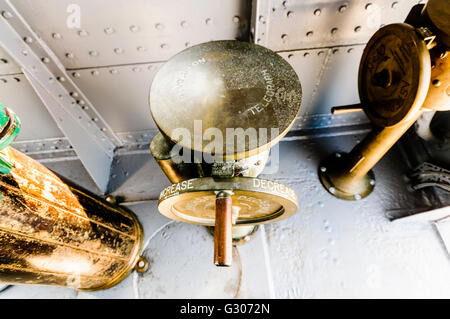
(223, 241)
(368, 152)
(346, 109)
(378, 142)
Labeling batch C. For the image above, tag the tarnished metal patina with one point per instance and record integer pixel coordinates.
(55, 233)
(404, 72)
(226, 85)
(394, 75)
(438, 13)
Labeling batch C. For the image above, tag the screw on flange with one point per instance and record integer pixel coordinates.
(110, 199)
(7, 14)
(141, 265)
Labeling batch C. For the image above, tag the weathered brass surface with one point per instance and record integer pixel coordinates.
(394, 75)
(254, 200)
(438, 11)
(225, 84)
(53, 233)
(438, 98)
(333, 173)
(241, 97)
(399, 79)
(175, 170)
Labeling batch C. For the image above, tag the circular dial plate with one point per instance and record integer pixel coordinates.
(439, 12)
(394, 74)
(225, 85)
(254, 200)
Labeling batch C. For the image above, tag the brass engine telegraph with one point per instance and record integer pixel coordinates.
(220, 107)
(404, 72)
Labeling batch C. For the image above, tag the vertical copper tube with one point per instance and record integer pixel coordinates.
(372, 148)
(223, 241)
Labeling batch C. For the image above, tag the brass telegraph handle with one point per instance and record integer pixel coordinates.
(223, 203)
(223, 240)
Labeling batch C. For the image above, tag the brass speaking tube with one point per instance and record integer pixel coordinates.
(404, 71)
(55, 233)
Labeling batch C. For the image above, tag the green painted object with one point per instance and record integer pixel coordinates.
(9, 128)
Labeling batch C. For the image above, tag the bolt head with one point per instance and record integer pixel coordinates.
(109, 30)
(83, 33)
(110, 199)
(134, 28)
(7, 15)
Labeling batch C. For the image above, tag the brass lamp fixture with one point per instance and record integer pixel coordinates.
(404, 72)
(55, 233)
(204, 100)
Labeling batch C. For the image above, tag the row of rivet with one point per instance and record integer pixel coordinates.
(135, 28)
(318, 12)
(29, 40)
(333, 31)
(114, 71)
(3, 80)
(320, 53)
(342, 8)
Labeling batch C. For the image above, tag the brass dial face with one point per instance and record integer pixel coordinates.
(254, 201)
(438, 12)
(225, 85)
(394, 74)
